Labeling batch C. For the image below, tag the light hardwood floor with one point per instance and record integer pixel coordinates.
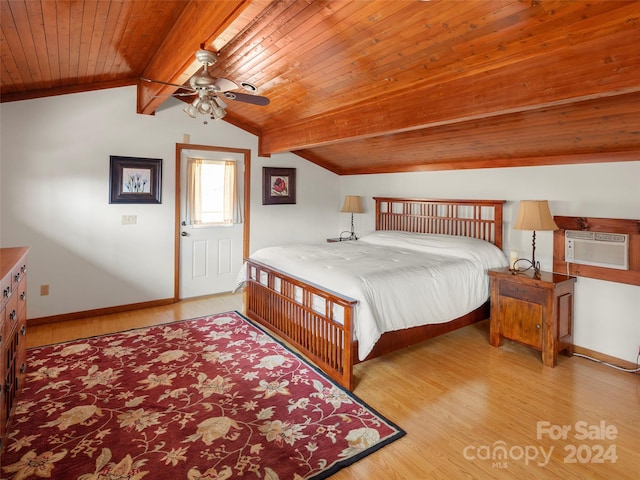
(460, 401)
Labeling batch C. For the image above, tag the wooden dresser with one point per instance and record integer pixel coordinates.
(534, 311)
(13, 328)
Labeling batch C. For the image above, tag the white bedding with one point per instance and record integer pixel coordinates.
(400, 279)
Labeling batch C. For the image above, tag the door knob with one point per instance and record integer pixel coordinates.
(184, 234)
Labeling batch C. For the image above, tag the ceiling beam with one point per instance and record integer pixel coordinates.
(212, 23)
(464, 164)
(498, 162)
(598, 69)
(66, 90)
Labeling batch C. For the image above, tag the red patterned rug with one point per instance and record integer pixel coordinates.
(205, 399)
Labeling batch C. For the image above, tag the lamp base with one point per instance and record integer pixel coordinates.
(352, 235)
(531, 265)
(348, 236)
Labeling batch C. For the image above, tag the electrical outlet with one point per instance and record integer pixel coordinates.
(129, 219)
(44, 290)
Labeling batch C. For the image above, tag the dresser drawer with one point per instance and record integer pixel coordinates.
(526, 293)
(10, 318)
(18, 274)
(20, 292)
(5, 289)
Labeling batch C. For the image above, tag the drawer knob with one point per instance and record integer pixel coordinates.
(12, 315)
(538, 326)
(17, 277)
(23, 330)
(23, 269)
(6, 292)
(23, 295)
(23, 368)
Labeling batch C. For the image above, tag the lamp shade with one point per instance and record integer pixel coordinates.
(534, 215)
(352, 204)
(191, 110)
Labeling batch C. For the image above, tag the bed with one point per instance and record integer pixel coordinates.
(322, 307)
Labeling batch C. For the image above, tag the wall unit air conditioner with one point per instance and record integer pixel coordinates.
(610, 250)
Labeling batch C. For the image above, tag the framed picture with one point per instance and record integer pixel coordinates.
(135, 180)
(278, 185)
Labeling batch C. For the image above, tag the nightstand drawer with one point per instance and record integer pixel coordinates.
(522, 292)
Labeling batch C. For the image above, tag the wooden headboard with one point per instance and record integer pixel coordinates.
(466, 218)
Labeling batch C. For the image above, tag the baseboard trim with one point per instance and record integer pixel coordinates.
(99, 311)
(604, 358)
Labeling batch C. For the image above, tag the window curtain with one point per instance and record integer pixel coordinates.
(231, 208)
(194, 193)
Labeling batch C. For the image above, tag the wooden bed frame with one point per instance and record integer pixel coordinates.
(288, 305)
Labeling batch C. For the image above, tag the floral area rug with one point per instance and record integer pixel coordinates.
(205, 399)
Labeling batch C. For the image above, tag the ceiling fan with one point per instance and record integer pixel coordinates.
(209, 90)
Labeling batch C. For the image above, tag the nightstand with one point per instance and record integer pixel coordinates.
(537, 312)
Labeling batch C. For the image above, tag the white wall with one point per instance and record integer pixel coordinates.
(54, 197)
(607, 314)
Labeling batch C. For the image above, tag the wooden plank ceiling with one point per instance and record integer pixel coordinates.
(362, 86)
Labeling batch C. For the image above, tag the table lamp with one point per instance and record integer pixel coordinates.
(534, 215)
(352, 204)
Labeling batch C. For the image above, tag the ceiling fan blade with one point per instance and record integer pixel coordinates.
(167, 83)
(190, 94)
(224, 84)
(246, 98)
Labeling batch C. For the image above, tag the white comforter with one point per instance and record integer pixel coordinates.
(400, 279)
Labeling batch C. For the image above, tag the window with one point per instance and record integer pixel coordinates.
(212, 193)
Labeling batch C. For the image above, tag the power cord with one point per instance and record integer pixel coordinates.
(617, 367)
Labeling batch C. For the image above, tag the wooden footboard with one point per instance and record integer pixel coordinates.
(316, 321)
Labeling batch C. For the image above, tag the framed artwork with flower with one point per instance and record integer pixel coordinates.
(135, 180)
(278, 185)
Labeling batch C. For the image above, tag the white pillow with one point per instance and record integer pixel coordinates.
(474, 249)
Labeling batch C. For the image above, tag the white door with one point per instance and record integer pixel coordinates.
(210, 256)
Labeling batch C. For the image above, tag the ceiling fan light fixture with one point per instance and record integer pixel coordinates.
(204, 106)
(211, 106)
(219, 102)
(191, 109)
(218, 108)
(218, 113)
